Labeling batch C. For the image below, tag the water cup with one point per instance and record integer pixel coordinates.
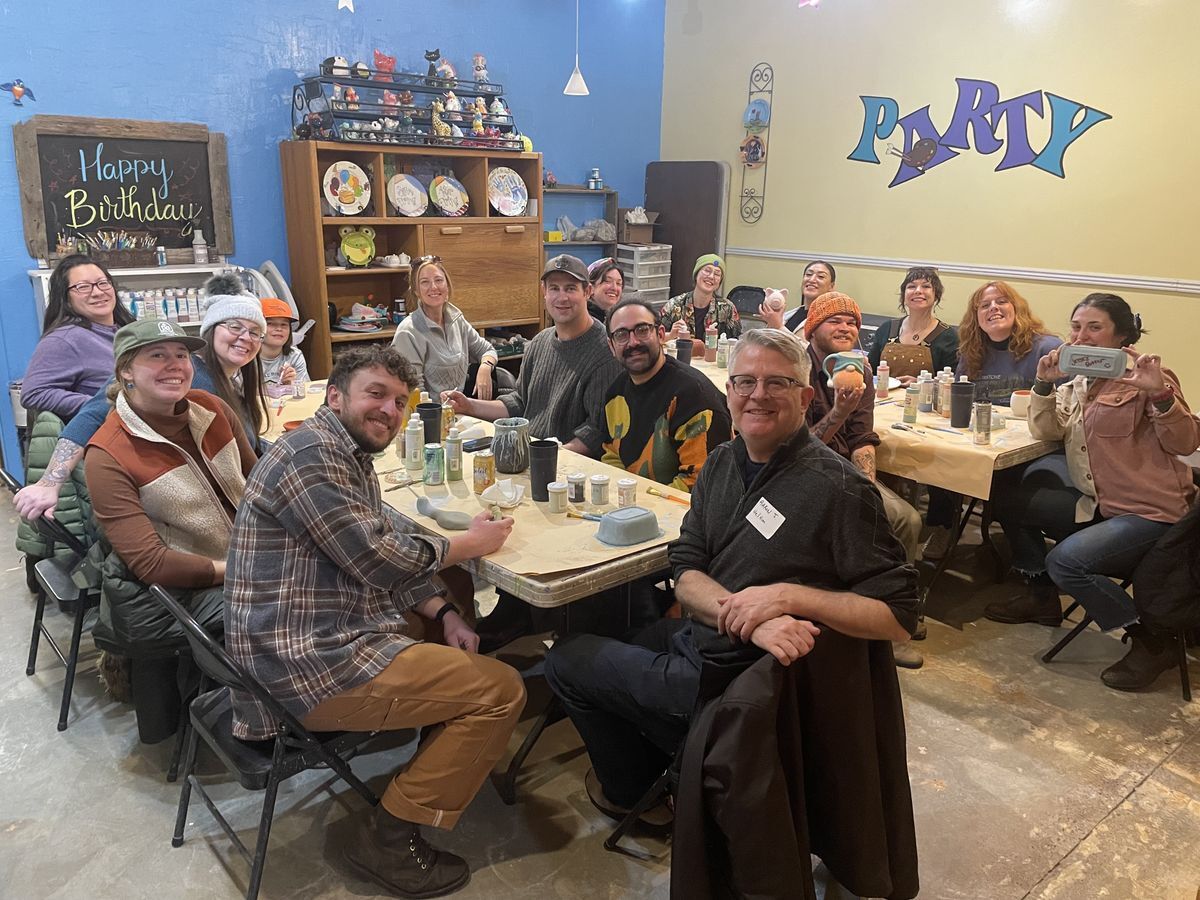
(431, 418)
(962, 395)
(543, 468)
(683, 350)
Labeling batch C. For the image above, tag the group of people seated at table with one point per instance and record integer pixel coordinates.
(288, 550)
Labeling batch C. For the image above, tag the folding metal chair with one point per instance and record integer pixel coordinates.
(257, 765)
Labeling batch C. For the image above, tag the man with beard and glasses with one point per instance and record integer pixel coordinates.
(318, 577)
(660, 419)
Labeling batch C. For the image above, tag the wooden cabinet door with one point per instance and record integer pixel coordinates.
(495, 269)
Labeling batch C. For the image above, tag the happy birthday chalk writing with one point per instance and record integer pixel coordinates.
(126, 206)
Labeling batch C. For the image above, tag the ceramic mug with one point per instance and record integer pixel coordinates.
(1019, 404)
(846, 369)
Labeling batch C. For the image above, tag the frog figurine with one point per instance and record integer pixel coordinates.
(358, 245)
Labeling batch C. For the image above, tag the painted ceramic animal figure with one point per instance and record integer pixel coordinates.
(358, 245)
(385, 65)
(446, 70)
(479, 62)
(480, 106)
(390, 99)
(498, 108)
(453, 107)
(440, 128)
(477, 123)
(406, 98)
(431, 57)
(351, 96)
(846, 370)
(18, 89)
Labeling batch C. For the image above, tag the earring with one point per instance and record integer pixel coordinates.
(129, 385)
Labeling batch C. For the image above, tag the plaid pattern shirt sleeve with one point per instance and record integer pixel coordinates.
(318, 574)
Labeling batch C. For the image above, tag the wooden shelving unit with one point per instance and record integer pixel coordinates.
(494, 261)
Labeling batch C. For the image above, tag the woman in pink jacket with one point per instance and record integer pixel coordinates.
(1117, 489)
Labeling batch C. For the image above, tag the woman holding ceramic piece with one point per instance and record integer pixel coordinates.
(1000, 341)
(608, 283)
(690, 314)
(74, 357)
(437, 340)
(1117, 489)
(919, 341)
(819, 278)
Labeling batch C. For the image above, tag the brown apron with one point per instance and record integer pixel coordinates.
(909, 359)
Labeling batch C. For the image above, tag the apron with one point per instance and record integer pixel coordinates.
(909, 359)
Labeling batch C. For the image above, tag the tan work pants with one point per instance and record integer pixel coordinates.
(468, 704)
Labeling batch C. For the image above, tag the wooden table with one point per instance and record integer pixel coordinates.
(549, 560)
(942, 458)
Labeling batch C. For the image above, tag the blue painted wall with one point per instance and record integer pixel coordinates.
(231, 66)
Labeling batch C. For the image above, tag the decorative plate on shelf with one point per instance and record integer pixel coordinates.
(407, 194)
(347, 188)
(449, 196)
(507, 192)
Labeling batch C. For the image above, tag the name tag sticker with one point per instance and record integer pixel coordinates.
(765, 518)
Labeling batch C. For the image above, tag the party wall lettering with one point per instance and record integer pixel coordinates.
(979, 110)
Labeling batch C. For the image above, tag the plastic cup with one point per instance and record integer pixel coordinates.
(543, 468)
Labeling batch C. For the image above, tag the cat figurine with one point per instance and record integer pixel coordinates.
(385, 65)
(431, 57)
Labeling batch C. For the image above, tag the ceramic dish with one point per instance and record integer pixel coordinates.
(449, 196)
(628, 525)
(347, 188)
(407, 194)
(507, 192)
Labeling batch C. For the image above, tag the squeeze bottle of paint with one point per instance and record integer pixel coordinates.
(912, 395)
(414, 444)
(454, 456)
(199, 249)
(882, 374)
(925, 387)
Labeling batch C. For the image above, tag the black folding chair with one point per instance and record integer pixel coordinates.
(1180, 638)
(62, 580)
(257, 765)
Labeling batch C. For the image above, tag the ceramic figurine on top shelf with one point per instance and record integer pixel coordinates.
(477, 123)
(390, 100)
(446, 70)
(440, 128)
(351, 97)
(455, 131)
(549, 179)
(406, 98)
(498, 108)
(335, 65)
(406, 125)
(453, 107)
(481, 106)
(360, 70)
(385, 66)
(431, 57)
(479, 63)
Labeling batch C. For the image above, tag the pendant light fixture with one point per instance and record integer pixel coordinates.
(576, 86)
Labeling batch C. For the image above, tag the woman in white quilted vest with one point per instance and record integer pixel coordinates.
(167, 470)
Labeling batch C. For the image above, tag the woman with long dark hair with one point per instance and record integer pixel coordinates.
(74, 357)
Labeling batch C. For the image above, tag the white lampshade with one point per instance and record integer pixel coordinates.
(576, 86)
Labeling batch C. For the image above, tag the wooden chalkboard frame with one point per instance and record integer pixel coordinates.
(25, 145)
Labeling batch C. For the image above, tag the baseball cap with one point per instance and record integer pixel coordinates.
(567, 264)
(145, 332)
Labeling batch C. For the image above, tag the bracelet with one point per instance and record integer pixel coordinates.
(490, 363)
(441, 613)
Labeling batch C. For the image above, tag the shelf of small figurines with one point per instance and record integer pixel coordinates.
(401, 108)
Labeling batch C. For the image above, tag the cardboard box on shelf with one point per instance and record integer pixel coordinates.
(635, 234)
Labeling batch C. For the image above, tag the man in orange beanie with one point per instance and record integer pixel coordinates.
(844, 418)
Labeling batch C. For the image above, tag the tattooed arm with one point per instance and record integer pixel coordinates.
(864, 460)
(40, 498)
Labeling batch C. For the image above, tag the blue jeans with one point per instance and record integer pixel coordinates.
(630, 703)
(1081, 565)
(1034, 503)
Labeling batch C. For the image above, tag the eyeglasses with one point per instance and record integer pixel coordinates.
(237, 329)
(775, 385)
(85, 287)
(640, 331)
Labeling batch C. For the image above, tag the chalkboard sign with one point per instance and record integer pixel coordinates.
(121, 184)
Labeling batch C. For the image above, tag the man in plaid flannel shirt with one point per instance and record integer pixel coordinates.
(319, 575)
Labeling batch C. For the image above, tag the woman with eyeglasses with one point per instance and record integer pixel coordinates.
(74, 357)
(446, 351)
(166, 471)
(608, 284)
(228, 366)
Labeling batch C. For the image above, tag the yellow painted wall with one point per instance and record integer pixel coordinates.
(1128, 206)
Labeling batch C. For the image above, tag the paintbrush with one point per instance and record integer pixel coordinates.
(657, 493)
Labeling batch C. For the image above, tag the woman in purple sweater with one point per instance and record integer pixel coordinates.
(74, 358)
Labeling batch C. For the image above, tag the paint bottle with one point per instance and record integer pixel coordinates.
(160, 256)
(454, 456)
(576, 483)
(557, 491)
(882, 375)
(626, 492)
(599, 492)
(414, 442)
(944, 393)
(912, 395)
(199, 249)
(925, 389)
(710, 344)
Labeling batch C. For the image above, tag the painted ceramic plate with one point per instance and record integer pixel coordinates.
(753, 151)
(407, 195)
(449, 196)
(757, 115)
(507, 192)
(347, 188)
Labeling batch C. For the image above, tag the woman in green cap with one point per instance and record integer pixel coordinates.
(702, 306)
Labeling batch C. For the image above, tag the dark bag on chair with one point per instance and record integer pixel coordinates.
(1166, 583)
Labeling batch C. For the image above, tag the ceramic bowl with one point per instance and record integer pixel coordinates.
(292, 425)
(627, 525)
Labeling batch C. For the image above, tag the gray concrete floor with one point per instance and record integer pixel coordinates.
(1028, 780)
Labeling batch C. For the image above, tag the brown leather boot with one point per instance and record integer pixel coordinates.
(1037, 603)
(1152, 654)
(392, 853)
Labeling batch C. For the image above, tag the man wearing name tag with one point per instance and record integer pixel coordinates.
(786, 546)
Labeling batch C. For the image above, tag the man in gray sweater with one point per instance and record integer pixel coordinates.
(566, 369)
